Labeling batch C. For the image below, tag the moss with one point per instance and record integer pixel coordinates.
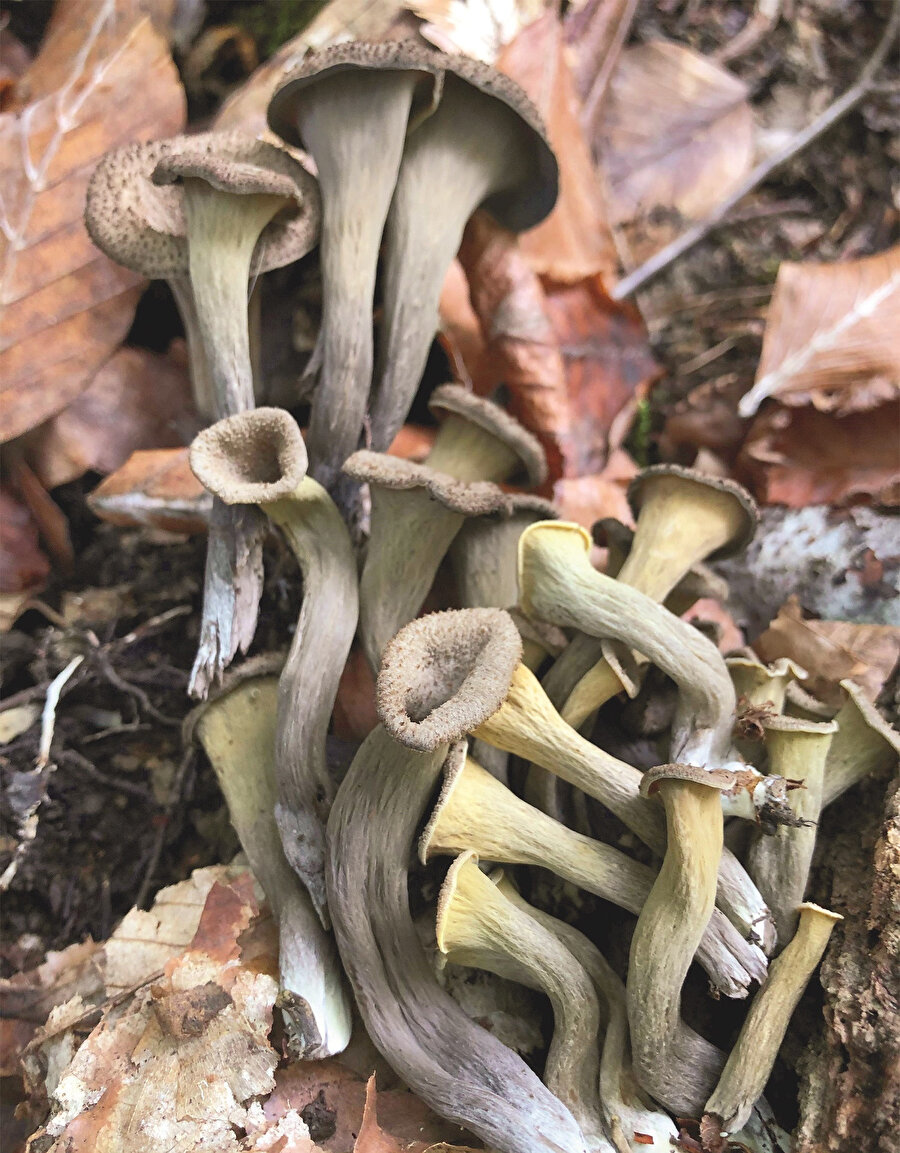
(272, 22)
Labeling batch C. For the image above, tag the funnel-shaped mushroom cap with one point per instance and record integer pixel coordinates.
(727, 493)
(471, 498)
(251, 458)
(444, 674)
(452, 400)
(136, 217)
(373, 56)
(722, 779)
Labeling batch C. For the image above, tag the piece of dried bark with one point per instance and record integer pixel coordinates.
(65, 306)
(139, 400)
(831, 337)
(574, 242)
(850, 1076)
(676, 137)
(156, 489)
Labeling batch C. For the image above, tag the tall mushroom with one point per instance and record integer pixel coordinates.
(864, 743)
(259, 458)
(241, 207)
(458, 1068)
(237, 731)
(478, 927)
(484, 145)
(349, 106)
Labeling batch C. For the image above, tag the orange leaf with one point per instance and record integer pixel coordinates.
(588, 498)
(831, 336)
(574, 241)
(156, 489)
(65, 306)
(23, 564)
(676, 136)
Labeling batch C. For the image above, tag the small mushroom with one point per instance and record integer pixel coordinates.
(454, 1065)
(670, 927)
(484, 146)
(259, 458)
(475, 811)
(760, 684)
(864, 743)
(800, 703)
(478, 927)
(237, 731)
(750, 1063)
(630, 1118)
(528, 726)
(349, 106)
(779, 863)
(416, 513)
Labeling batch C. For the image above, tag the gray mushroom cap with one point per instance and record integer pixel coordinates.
(702, 480)
(458, 401)
(471, 498)
(251, 458)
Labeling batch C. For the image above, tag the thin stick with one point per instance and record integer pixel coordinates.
(832, 114)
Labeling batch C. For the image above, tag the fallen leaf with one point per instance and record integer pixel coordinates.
(14, 61)
(372, 1138)
(675, 137)
(586, 499)
(66, 307)
(800, 456)
(730, 636)
(478, 28)
(831, 336)
(831, 651)
(462, 337)
(412, 442)
(156, 489)
(14, 722)
(23, 564)
(574, 241)
(354, 707)
(596, 31)
(138, 400)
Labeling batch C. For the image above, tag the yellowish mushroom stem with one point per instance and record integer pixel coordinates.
(467, 451)
(753, 1055)
(864, 743)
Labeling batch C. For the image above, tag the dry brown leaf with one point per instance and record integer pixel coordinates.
(676, 137)
(156, 489)
(461, 335)
(65, 306)
(831, 336)
(800, 456)
(372, 1138)
(586, 499)
(138, 400)
(574, 241)
(23, 564)
(831, 651)
(596, 31)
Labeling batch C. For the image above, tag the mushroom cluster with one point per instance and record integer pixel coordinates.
(485, 742)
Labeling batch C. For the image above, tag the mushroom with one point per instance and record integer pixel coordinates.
(630, 1118)
(259, 458)
(237, 731)
(799, 703)
(751, 1060)
(416, 513)
(475, 811)
(761, 691)
(669, 928)
(349, 106)
(864, 743)
(484, 146)
(478, 927)
(527, 725)
(454, 1065)
(779, 863)
(242, 207)
(683, 518)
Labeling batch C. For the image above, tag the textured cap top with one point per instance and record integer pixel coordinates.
(444, 674)
(470, 498)
(782, 723)
(251, 458)
(453, 398)
(721, 779)
(385, 55)
(135, 214)
(636, 493)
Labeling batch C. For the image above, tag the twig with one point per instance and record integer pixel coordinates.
(832, 114)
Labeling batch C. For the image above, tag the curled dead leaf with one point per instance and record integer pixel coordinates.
(65, 306)
(156, 489)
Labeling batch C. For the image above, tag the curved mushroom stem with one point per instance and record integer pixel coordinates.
(478, 927)
(477, 812)
(201, 377)
(259, 457)
(237, 730)
(864, 743)
(779, 863)
(458, 1068)
(354, 124)
(528, 726)
(665, 939)
(446, 172)
(751, 1060)
(629, 1117)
